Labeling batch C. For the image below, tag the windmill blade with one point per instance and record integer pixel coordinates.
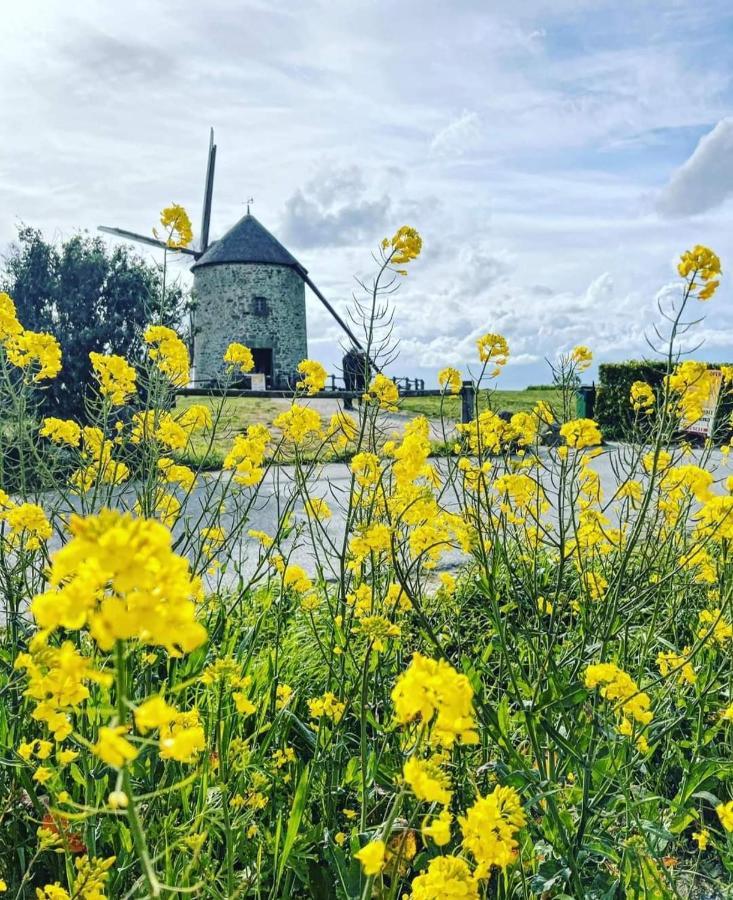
(355, 341)
(208, 193)
(143, 239)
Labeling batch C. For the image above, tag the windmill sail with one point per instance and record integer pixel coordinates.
(208, 193)
(142, 239)
(253, 235)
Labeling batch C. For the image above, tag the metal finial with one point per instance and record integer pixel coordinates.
(249, 200)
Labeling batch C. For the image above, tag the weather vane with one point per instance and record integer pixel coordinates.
(249, 200)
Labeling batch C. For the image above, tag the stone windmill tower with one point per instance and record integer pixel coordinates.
(248, 288)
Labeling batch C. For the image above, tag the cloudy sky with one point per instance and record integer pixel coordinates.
(556, 155)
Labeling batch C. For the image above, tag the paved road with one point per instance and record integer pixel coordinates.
(331, 482)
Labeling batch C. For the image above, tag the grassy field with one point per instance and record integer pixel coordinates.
(237, 413)
(511, 401)
(230, 418)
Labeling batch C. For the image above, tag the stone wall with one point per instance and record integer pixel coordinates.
(225, 312)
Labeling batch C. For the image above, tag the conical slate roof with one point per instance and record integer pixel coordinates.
(248, 242)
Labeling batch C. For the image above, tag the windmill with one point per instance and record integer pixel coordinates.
(247, 229)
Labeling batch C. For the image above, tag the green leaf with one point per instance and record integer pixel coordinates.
(294, 820)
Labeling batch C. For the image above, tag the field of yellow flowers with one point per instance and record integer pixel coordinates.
(554, 719)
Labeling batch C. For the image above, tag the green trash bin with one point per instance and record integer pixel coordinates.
(585, 401)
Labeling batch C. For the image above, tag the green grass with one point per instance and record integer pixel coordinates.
(237, 413)
(511, 401)
(230, 418)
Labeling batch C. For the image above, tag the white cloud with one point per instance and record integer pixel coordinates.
(705, 180)
(333, 210)
(458, 136)
(519, 138)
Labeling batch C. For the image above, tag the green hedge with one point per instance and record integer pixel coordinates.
(613, 410)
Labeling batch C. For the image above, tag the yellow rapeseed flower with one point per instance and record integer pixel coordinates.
(154, 713)
(9, 324)
(372, 857)
(581, 357)
(450, 380)
(642, 397)
(493, 349)
(38, 352)
(61, 431)
(700, 266)
(427, 781)
(169, 354)
(115, 376)
(240, 357)
(404, 246)
(725, 814)
(299, 423)
(28, 525)
(177, 224)
(438, 828)
(328, 706)
(119, 576)
(383, 391)
(113, 747)
(314, 377)
(489, 828)
(433, 692)
(580, 433)
(446, 876)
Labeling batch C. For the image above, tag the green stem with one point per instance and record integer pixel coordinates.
(133, 818)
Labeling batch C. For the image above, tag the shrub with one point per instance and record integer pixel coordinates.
(91, 298)
(613, 411)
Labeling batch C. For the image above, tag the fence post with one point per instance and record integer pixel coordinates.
(468, 402)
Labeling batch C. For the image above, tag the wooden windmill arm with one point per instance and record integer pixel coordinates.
(144, 239)
(338, 318)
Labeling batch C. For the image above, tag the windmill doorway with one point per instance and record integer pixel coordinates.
(263, 362)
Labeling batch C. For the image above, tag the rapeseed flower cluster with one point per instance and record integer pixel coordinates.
(493, 350)
(169, 354)
(432, 693)
(489, 830)
(450, 380)
(115, 376)
(691, 383)
(313, 377)
(581, 433)
(701, 267)
(617, 686)
(403, 247)
(384, 392)
(37, 352)
(177, 224)
(239, 357)
(61, 431)
(642, 397)
(581, 358)
(119, 577)
(299, 423)
(27, 524)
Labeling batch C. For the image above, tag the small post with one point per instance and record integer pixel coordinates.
(468, 402)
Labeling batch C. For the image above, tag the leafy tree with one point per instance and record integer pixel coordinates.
(91, 297)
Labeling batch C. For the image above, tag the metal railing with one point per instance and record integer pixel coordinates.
(467, 394)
